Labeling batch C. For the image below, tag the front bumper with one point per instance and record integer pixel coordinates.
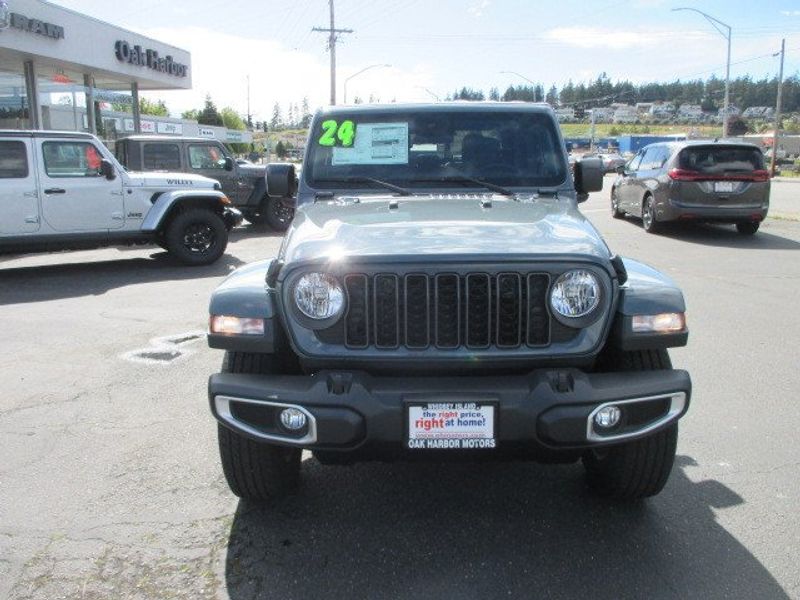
(232, 217)
(547, 409)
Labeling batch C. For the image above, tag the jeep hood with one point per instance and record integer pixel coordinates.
(168, 180)
(445, 225)
(253, 171)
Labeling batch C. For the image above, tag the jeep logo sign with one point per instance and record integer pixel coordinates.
(135, 55)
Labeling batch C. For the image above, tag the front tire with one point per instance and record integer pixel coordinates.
(196, 236)
(747, 227)
(256, 470)
(640, 468)
(615, 211)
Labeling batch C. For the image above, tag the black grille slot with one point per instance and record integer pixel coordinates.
(479, 310)
(417, 308)
(356, 321)
(448, 311)
(509, 310)
(538, 316)
(387, 311)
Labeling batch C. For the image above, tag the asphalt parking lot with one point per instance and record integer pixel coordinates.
(110, 485)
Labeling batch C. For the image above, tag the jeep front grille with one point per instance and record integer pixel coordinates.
(447, 310)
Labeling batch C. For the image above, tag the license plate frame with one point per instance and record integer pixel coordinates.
(723, 187)
(453, 436)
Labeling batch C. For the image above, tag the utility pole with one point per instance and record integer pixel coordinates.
(773, 162)
(332, 39)
(249, 121)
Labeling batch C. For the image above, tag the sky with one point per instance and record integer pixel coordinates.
(434, 47)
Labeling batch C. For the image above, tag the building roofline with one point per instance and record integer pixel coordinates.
(106, 23)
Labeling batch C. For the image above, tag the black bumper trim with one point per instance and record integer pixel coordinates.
(372, 409)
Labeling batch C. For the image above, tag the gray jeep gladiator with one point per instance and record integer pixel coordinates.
(439, 295)
(244, 184)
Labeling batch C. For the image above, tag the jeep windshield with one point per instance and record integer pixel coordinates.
(492, 150)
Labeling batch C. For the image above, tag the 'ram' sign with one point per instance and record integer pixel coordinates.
(24, 23)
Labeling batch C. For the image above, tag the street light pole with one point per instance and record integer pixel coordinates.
(520, 75)
(359, 73)
(777, 113)
(716, 24)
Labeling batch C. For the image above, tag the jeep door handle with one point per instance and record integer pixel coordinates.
(55, 191)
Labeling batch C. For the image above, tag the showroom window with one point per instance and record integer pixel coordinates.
(13, 101)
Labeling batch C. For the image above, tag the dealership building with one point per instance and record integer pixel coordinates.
(60, 69)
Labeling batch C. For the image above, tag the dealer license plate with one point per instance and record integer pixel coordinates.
(451, 426)
(723, 186)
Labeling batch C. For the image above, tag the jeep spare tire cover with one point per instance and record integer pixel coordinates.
(281, 179)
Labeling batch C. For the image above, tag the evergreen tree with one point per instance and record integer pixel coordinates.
(277, 117)
(209, 115)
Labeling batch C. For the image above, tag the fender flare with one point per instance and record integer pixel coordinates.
(245, 293)
(646, 292)
(166, 202)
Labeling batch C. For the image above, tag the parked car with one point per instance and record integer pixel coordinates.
(66, 191)
(611, 161)
(439, 293)
(244, 184)
(721, 182)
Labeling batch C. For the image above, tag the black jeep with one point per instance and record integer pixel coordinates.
(243, 184)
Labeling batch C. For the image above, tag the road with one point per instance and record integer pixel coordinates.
(110, 485)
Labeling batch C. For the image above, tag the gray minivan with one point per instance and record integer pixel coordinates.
(710, 181)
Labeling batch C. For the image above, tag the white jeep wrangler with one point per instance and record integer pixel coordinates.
(64, 191)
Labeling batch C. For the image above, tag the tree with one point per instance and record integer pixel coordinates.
(494, 94)
(305, 119)
(209, 115)
(552, 96)
(277, 117)
(153, 107)
(191, 115)
(280, 149)
(231, 119)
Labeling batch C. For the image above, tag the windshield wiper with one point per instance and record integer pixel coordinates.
(464, 179)
(385, 184)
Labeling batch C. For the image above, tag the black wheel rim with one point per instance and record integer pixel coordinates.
(283, 214)
(199, 238)
(647, 217)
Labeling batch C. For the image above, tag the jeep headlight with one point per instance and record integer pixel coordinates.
(319, 296)
(575, 294)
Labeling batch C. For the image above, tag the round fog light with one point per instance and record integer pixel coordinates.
(293, 419)
(607, 417)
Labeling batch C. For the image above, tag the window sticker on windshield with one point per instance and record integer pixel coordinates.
(337, 134)
(375, 144)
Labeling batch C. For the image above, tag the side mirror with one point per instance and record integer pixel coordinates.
(620, 169)
(107, 170)
(228, 163)
(588, 175)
